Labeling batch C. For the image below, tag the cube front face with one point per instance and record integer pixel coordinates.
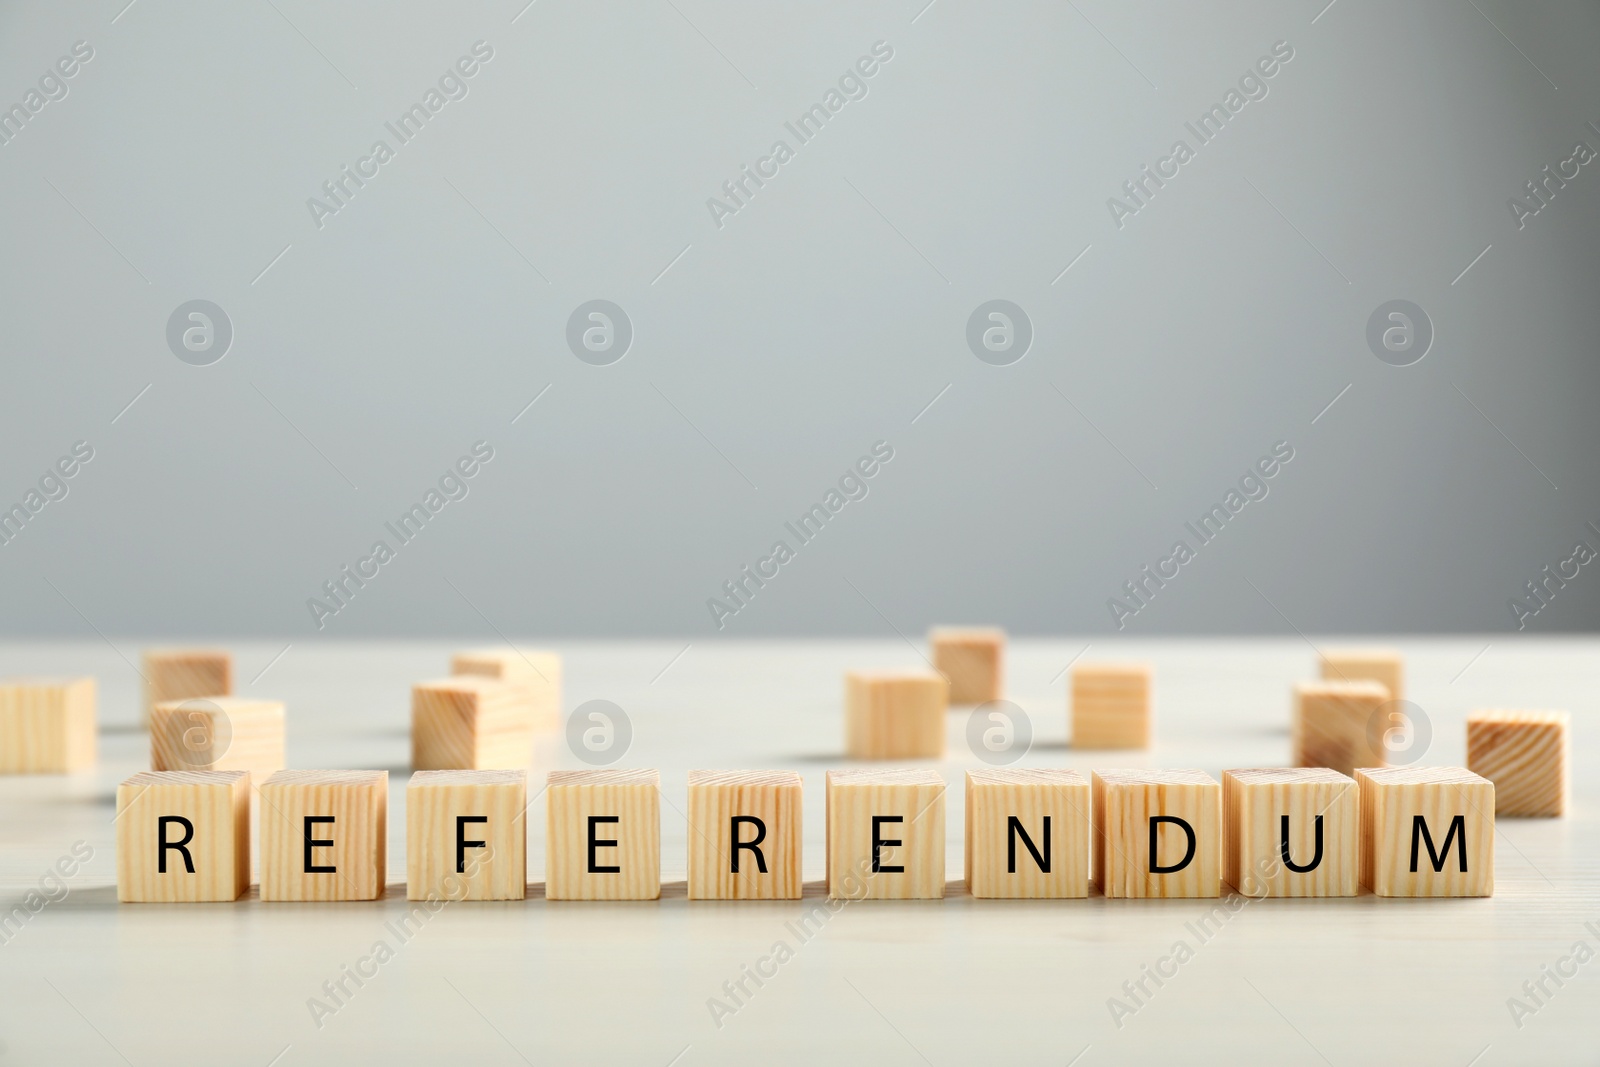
(1111, 706)
(744, 835)
(182, 673)
(1338, 725)
(895, 716)
(1383, 666)
(218, 734)
(1027, 834)
(47, 725)
(1426, 832)
(538, 674)
(183, 837)
(1316, 853)
(973, 661)
(467, 835)
(1526, 755)
(603, 835)
(324, 835)
(1157, 833)
(470, 722)
(885, 835)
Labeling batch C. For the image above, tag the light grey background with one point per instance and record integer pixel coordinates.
(826, 315)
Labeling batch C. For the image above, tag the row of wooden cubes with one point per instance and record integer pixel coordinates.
(1030, 833)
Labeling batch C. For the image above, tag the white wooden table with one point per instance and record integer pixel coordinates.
(1354, 981)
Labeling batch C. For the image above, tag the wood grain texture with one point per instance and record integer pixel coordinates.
(213, 862)
(537, 673)
(973, 660)
(626, 805)
(358, 802)
(1052, 807)
(181, 673)
(716, 798)
(47, 725)
(1324, 831)
(1127, 804)
(910, 807)
(1398, 856)
(1337, 725)
(1110, 705)
(1527, 755)
(471, 722)
(895, 715)
(218, 734)
(443, 813)
(1382, 665)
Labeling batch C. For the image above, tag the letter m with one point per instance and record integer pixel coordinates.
(417, 514)
(17, 514)
(17, 114)
(1420, 835)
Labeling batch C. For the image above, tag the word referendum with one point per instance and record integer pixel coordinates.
(852, 486)
(52, 86)
(52, 486)
(342, 188)
(1555, 579)
(852, 86)
(1543, 190)
(1252, 486)
(1252, 86)
(341, 589)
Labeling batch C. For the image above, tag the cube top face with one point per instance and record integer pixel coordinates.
(1027, 833)
(744, 835)
(603, 835)
(324, 835)
(1321, 835)
(919, 683)
(605, 776)
(1363, 690)
(1526, 755)
(885, 834)
(988, 636)
(1107, 675)
(47, 725)
(51, 682)
(1382, 665)
(463, 687)
(462, 778)
(1426, 832)
(183, 836)
(217, 733)
(1158, 833)
(509, 664)
(467, 835)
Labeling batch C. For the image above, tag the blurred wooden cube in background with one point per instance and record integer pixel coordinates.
(1111, 705)
(895, 715)
(181, 673)
(47, 725)
(973, 660)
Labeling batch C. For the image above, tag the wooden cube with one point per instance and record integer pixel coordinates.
(744, 835)
(1426, 832)
(46, 725)
(885, 834)
(603, 835)
(1337, 725)
(895, 716)
(218, 734)
(1157, 833)
(1111, 705)
(1382, 665)
(181, 673)
(1526, 755)
(1027, 833)
(470, 722)
(973, 661)
(467, 835)
(538, 673)
(183, 836)
(1291, 832)
(324, 835)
